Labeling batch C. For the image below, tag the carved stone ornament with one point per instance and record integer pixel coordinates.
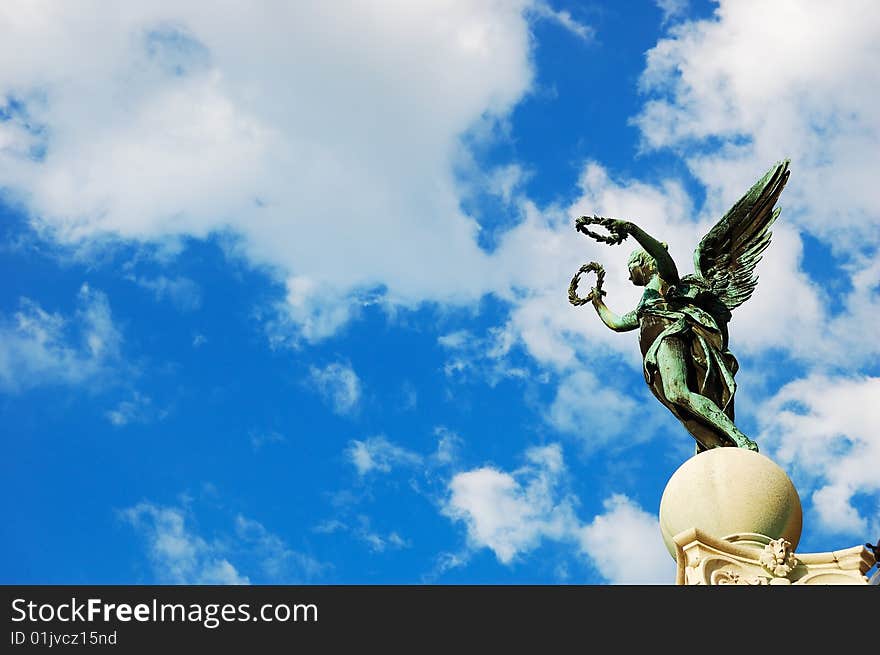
(753, 559)
(730, 577)
(778, 558)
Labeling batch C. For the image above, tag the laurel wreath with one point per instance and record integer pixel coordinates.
(615, 237)
(573, 297)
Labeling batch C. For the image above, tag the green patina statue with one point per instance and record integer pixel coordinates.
(682, 321)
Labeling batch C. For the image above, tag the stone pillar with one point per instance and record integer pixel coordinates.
(733, 516)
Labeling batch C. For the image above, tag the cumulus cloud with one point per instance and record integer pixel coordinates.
(824, 430)
(178, 555)
(217, 132)
(738, 75)
(702, 89)
(326, 138)
(327, 141)
(625, 544)
(379, 454)
(339, 385)
(513, 513)
(38, 347)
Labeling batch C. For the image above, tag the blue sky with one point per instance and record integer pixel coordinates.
(285, 292)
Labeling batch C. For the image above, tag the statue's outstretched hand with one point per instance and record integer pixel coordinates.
(622, 228)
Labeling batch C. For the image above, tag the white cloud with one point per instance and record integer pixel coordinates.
(180, 556)
(565, 19)
(596, 413)
(307, 159)
(672, 9)
(339, 385)
(448, 446)
(824, 430)
(625, 545)
(327, 142)
(538, 257)
(379, 454)
(488, 356)
(305, 156)
(363, 531)
(816, 102)
(311, 311)
(446, 561)
(379, 543)
(281, 564)
(330, 526)
(504, 181)
(840, 342)
(183, 292)
(749, 86)
(138, 408)
(511, 513)
(789, 79)
(454, 340)
(326, 137)
(39, 348)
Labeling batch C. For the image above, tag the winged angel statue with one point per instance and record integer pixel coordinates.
(682, 321)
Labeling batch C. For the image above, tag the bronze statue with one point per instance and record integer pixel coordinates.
(682, 321)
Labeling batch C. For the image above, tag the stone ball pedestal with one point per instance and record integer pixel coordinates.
(730, 493)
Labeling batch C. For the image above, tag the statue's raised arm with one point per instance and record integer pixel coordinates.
(683, 321)
(666, 267)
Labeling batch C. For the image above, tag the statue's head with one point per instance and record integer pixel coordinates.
(642, 267)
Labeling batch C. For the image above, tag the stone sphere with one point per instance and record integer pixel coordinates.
(728, 491)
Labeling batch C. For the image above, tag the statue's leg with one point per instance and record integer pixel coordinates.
(672, 360)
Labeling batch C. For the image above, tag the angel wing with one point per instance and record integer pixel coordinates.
(727, 256)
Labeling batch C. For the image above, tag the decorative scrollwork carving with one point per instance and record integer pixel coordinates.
(731, 577)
